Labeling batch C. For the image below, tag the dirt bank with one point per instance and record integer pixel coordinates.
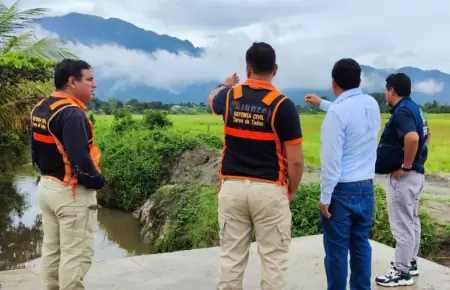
(200, 165)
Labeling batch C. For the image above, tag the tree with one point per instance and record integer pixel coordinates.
(13, 20)
(26, 64)
(381, 100)
(23, 81)
(156, 119)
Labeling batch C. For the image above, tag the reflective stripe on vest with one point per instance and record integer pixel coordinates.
(45, 135)
(253, 120)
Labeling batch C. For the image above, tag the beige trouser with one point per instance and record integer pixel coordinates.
(245, 205)
(69, 228)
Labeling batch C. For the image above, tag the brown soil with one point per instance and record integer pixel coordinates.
(199, 164)
(443, 256)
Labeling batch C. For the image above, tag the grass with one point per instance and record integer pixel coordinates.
(438, 157)
(137, 162)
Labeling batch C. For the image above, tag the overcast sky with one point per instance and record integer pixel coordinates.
(308, 36)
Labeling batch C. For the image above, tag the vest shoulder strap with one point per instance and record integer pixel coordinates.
(63, 101)
(237, 92)
(270, 97)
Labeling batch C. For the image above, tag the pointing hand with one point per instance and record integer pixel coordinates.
(232, 80)
(313, 99)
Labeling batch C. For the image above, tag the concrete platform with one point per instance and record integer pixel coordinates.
(197, 269)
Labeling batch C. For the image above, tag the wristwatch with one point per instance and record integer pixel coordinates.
(406, 168)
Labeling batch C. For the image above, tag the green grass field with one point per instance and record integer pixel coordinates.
(438, 160)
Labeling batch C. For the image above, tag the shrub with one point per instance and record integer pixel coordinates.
(210, 140)
(136, 162)
(13, 150)
(92, 118)
(194, 220)
(123, 122)
(305, 211)
(154, 119)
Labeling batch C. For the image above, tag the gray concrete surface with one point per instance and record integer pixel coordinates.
(197, 269)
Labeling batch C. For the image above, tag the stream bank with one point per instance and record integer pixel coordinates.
(117, 235)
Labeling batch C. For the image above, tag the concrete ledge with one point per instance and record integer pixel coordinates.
(197, 269)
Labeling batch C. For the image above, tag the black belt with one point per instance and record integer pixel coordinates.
(363, 181)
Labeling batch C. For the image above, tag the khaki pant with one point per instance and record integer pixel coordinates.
(245, 205)
(403, 198)
(69, 228)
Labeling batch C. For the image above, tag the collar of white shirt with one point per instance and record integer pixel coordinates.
(347, 94)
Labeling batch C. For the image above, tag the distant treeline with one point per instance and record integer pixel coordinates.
(136, 107)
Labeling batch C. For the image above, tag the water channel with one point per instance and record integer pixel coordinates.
(117, 233)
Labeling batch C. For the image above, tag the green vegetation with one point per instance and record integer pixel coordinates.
(137, 154)
(137, 163)
(193, 215)
(26, 64)
(134, 106)
(212, 127)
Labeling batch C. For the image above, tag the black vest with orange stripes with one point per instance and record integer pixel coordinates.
(51, 157)
(252, 149)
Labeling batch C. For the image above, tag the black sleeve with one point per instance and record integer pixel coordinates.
(405, 122)
(74, 136)
(287, 123)
(220, 101)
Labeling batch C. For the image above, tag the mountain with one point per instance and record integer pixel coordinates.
(91, 30)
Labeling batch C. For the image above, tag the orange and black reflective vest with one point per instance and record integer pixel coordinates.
(52, 158)
(252, 149)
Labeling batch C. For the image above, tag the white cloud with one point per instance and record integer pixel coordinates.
(428, 86)
(372, 82)
(308, 36)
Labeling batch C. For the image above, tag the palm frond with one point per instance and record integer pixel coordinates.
(48, 48)
(13, 19)
(17, 101)
(15, 43)
(24, 56)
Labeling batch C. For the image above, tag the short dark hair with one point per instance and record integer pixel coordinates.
(261, 58)
(401, 84)
(347, 73)
(68, 68)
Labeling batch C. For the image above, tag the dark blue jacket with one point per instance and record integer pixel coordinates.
(406, 117)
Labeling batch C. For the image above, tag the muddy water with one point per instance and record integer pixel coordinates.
(117, 234)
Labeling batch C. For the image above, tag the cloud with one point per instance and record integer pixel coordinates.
(308, 36)
(300, 66)
(428, 86)
(372, 81)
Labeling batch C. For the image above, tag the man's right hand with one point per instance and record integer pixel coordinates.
(232, 80)
(313, 99)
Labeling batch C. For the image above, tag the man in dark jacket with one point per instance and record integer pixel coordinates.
(62, 145)
(402, 154)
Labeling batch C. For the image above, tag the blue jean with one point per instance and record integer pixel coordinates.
(351, 208)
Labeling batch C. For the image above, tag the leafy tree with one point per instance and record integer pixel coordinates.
(156, 119)
(23, 80)
(26, 63)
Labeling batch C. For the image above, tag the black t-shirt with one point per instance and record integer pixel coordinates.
(287, 120)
